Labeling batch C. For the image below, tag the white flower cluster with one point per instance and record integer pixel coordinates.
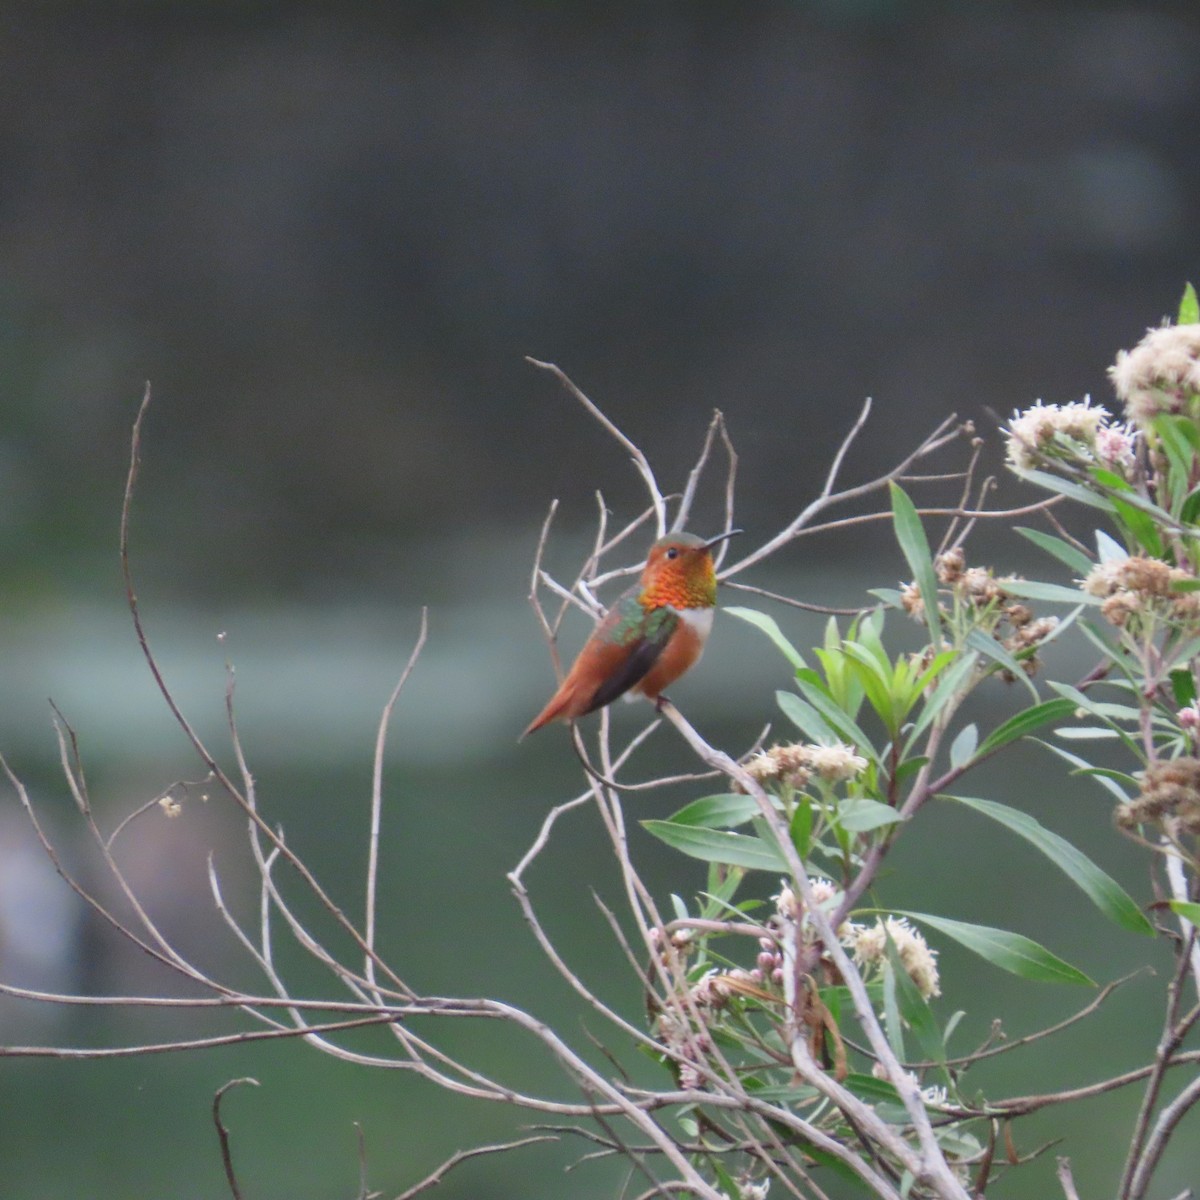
(1075, 428)
(797, 763)
(869, 944)
(1160, 374)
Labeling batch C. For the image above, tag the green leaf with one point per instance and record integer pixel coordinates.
(1010, 951)
(910, 533)
(1172, 432)
(910, 766)
(715, 845)
(1083, 767)
(805, 717)
(1026, 722)
(1183, 686)
(1189, 308)
(1187, 909)
(1065, 487)
(889, 596)
(1053, 593)
(770, 627)
(948, 686)
(914, 1008)
(1066, 554)
(1190, 509)
(867, 1087)
(1103, 891)
(725, 1181)
(719, 812)
(845, 728)
(990, 648)
(801, 827)
(862, 814)
(963, 748)
(891, 1012)
(1110, 714)
(876, 684)
(1108, 549)
(1142, 526)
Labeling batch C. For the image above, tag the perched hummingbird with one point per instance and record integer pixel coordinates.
(650, 636)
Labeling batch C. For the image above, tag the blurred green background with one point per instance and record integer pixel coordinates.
(328, 234)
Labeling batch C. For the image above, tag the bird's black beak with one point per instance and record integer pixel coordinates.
(722, 537)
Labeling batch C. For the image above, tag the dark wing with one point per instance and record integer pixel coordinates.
(641, 638)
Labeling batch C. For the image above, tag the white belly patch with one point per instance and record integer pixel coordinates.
(699, 619)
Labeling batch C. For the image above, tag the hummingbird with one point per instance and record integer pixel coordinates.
(650, 636)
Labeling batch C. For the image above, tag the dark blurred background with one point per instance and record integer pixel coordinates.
(328, 235)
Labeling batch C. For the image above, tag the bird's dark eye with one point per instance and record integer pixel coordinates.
(673, 552)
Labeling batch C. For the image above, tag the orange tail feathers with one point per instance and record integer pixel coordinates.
(563, 706)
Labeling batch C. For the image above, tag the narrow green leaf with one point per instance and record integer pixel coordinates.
(1064, 487)
(954, 680)
(715, 845)
(1066, 554)
(1026, 722)
(717, 812)
(801, 828)
(875, 1091)
(1189, 308)
(805, 717)
(963, 748)
(1103, 891)
(910, 533)
(1189, 910)
(1190, 509)
(862, 814)
(1143, 526)
(1183, 687)
(1083, 767)
(1010, 951)
(1186, 585)
(938, 664)
(1180, 452)
(990, 648)
(725, 1181)
(877, 686)
(910, 766)
(1053, 593)
(1108, 549)
(1126, 781)
(1110, 714)
(914, 1009)
(847, 729)
(770, 627)
(891, 1012)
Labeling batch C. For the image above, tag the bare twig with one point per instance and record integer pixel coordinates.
(639, 459)
(223, 1133)
(377, 797)
(461, 1156)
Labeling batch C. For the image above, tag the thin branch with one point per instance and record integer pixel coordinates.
(635, 453)
(377, 797)
(791, 602)
(689, 490)
(223, 1133)
(461, 1156)
(1164, 1127)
